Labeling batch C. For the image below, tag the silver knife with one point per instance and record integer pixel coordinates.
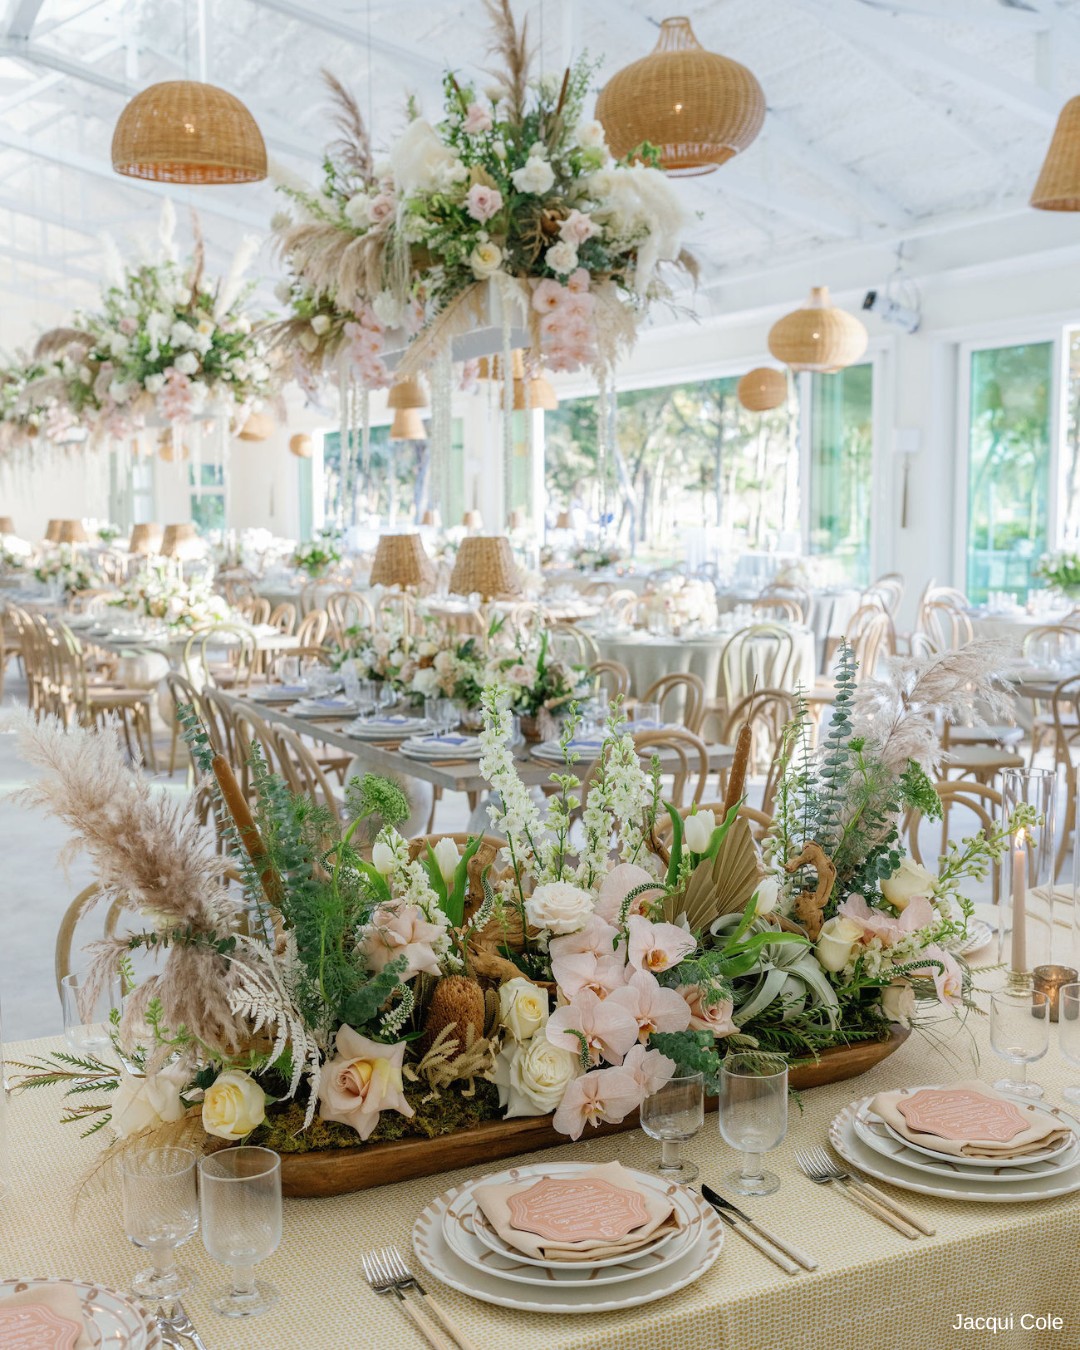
(776, 1257)
(719, 1203)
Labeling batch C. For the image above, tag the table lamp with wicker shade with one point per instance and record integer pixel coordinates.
(819, 337)
(184, 131)
(145, 539)
(52, 532)
(7, 525)
(535, 393)
(485, 567)
(71, 532)
(181, 541)
(762, 389)
(400, 560)
(1058, 185)
(473, 520)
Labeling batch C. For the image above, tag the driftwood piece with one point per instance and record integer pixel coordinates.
(810, 904)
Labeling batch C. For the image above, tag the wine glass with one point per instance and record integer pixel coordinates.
(240, 1199)
(88, 1028)
(387, 695)
(753, 1115)
(447, 713)
(1069, 1031)
(674, 1114)
(1020, 1034)
(366, 695)
(287, 670)
(432, 712)
(161, 1211)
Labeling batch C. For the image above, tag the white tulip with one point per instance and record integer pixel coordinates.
(382, 857)
(768, 892)
(447, 859)
(698, 830)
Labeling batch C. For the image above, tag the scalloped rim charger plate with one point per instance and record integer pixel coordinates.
(996, 1164)
(116, 1320)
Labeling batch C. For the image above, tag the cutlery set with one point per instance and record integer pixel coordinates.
(177, 1329)
(387, 1273)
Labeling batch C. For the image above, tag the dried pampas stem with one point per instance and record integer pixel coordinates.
(352, 150)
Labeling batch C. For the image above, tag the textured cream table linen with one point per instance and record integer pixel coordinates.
(874, 1289)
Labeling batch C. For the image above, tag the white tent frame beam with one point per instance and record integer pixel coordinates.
(409, 59)
(20, 18)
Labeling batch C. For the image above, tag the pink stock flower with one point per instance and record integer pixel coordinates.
(608, 1095)
(949, 982)
(648, 1068)
(128, 325)
(617, 885)
(657, 946)
(476, 119)
(609, 1030)
(653, 1007)
(714, 1017)
(361, 1082)
(876, 923)
(578, 280)
(401, 930)
(382, 208)
(483, 202)
(577, 227)
(547, 296)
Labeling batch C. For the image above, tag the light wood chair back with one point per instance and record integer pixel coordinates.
(769, 711)
(887, 590)
(760, 821)
(1051, 642)
(979, 799)
(778, 607)
(222, 656)
(348, 609)
(683, 755)
(681, 696)
(396, 612)
(312, 628)
(567, 642)
(761, 654)
(612, 679)
(309, 595)
(867, 634)
(254, 609)
(283, 617)
(947, 624)
(301, 769)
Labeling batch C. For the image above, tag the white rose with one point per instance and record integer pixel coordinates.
(523, 1008)
(320, 324)
(485, 260)
(532, 1077)
(119, 391)
(358, 209)
(233, 1105)
(909, 880)
(559, 906)
(142, 1103)
(283, 291)
(182, 296)
(452, 172)
(181, 334)
(187, 363)
(536, 176)
(590, 135)
(698, 830)
(447, 858)
(382, 857)
(768, 892)
(561, 257)
(898, 1002)
(836, 942)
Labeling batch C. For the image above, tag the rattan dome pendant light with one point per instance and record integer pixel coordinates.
(818, 337)
(183, 131)
(762, 389)
(1058, 185)
(408, 392)
(301, 445)
(698, 107)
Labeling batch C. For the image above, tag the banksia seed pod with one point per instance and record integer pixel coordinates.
(457, 1001)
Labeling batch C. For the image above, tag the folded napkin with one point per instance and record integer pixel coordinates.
(597, 1201)
(969, 1120)
(48, 1317)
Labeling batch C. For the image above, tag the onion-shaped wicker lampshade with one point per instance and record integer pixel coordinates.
(473, 520)
(182, 131)
(407, 425)
(818, 337)
(52, 531)
(301, 445)
(699, 108)
(762, 389)
(407, 393)
(167, 449)
(71, 532)
(563, 521)
(258, 427)
(145, 539)
(490, 367)
(400, 560)
(181, 541)
(1058, 185)
(485, 566)
(7, 525)
(532, 394)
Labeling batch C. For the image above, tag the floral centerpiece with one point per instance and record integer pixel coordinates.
(681, 602)
(32, 404)
(160, 592)
(539, 685)
(1061, 570)
(419, 666)
(412, 989)
(72, 571)
(598, 559)
(317, 556)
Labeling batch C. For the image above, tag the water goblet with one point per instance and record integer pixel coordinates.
(287, 670)
(240, 1203)
(1020, 1034)
(753, 1115)
(387, 694)
(673, 1114)
(366, 698)
(88, 1027)
(161, 1211)
(646, 716)
(1069, 1032)
(432, 712)
(447, 713)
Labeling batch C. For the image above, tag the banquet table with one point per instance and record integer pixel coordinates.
(874, 1288)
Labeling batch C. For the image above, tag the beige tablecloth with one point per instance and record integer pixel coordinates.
(874, 1288)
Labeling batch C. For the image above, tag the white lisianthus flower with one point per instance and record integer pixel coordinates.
(187, 363)
(535, 176)
(447, 858)
(909, 880)
(558, 906)
(523, 1008)
(590, 135)
(154, 384)
(485, 260)
(562, 257)
(387, 309)
(836, 942)
(283, 292)
(233, 1105)
(320, 324)
(382, 858)
(532, 1077)
(698, 830)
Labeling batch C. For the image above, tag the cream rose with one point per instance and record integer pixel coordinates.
(836, 941)
(141, 1103)
(698, 830)
(523, 1008)
(485, 260)
(533, 1077)
(233, 1105)
(898, 1002)
(562, 257)
(559, 906)
(909, 880)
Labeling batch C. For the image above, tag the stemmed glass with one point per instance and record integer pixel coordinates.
(161, 1211)
(366, 696)
(674, 1114)
(287, 670)
(1069, 1032)
(447, 713)
(387, 695)
(240, 1196)
(88, 1029)
(1020, 1034)
(753, 1115)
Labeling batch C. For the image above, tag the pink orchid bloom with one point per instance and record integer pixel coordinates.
(657, 946)
(483, 202)
(362, 1081)
(653, 1007)
(547, 296)
(608, 1095)
(949, 983)
(596, 937)
(578, 280)
(919, 913)
(476, 119)
(648, 1068)
(588, 959)
(617, 885)
(401, 930)
(714, 1017)
(580, 306)
(609, 1030)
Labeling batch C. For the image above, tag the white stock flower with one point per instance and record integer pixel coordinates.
(535, 176)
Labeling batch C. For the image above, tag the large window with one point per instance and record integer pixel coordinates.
(207, 481)
(393, 489)
(841, 470)
(1009, 466)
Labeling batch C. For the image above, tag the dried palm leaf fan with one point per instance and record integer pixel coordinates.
(1058, 184)
(301, 445)
(818, 337)
(258, 427)
(698, 107)
(184, 131)
(762, 389)
(56, 341)
(721, 885)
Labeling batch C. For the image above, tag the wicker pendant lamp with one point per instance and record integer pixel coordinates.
(485, 566)
(407, 393)
(533, 394)
(7, 525)
(258, 427)
(699, 108)
(490, 367)
(762, 389)
(145, 539)
(1058, 185)
(818, 337)
(407, 425)
(400, 560)
(301, 445)
(183, 131)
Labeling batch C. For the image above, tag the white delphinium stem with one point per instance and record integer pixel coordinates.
(514, 813)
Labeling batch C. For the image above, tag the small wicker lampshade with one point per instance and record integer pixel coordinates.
(563, 522)
(7, 525)
(818, 337)
(699, 108)
(485, 566)
(71, 532)
(490, 367)
(258, 427)
(407, 425)
(167, 448)
(400, 560)
(301, 445)
(182, 131)
(431, 517)
(52, 532)
(541, 394)
(145, 539)
(762, 389)
(407, 393)
(473, 520)
(1058, 184)
(181, 541)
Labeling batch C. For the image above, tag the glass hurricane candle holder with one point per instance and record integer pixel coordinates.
(1026, 920)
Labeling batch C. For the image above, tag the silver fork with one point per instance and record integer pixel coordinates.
(181, 1324)
(383, 1282)
(825, 1161)
(405, 1279)
(816, 1164)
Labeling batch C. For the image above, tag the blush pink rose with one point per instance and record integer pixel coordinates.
(382, 208)
(483, 202)
(401, 930)
(362, 1081)
(476, 120)
(577, 228)
(714, 1017)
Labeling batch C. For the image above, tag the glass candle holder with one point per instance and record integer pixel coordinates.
(1050, 980)
(1025, 924)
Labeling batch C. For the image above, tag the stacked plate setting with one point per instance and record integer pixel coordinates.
(387, 727)
(865, 1141)
(328, 706)
(455, 1243)
(447, 745)
(110, 1319)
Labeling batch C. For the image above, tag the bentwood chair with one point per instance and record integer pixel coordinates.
(768, 713)
(978, 799)
(311, 630)
(222, 655)
(612, 679)
(680, 695)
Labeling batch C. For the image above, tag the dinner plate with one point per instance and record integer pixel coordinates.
(979, 934)
(114, 1321)
(994, 1163)
(323, 708)
(435, 1255)
(386, 728)
(973, 1188)
(872, 1130)
(442, 747)
(553, 749)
